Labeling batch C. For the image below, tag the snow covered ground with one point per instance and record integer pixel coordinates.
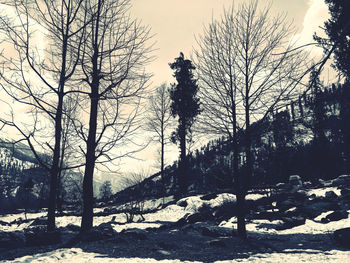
(310, 242)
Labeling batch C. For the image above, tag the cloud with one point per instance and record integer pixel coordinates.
(314, 19)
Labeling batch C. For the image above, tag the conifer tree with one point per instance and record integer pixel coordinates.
(185, 105)
(337, 27)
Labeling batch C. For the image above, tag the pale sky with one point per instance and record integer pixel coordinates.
(176, 23)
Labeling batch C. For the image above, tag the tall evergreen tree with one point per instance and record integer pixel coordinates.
(185, 105)
(337, 27)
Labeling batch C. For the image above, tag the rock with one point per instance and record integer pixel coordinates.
(226, 211)
(342, 236)
(325, 220)
(135, 233)
(199, 217)
(345, 191)
(164, 252)
(307, 184)
(324, 183)
(285, 205)
(110, 210)
(342, 180)
(337, 215)
(3, 223)
(41, 221)
(314, 207)
(290, 222)
(182, 203)
(209, 196)
(42, 238)
(291, 212)
(331, 195)
(345, 194)
(73, 228)
(216, 243)
(295, 180)
(13, 239)
(299, 195)
(282, 186)
(214, 231)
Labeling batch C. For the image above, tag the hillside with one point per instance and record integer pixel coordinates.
(309, 137)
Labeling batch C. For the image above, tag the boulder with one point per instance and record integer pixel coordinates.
(342, 236)
(226, 211)
(217, 243)
(324, 183)
(209, 197)
(199, 217)
(331, 195)
(135, 233)
(41, 221)
(299, 195)
(72, 227)
(337, 215)
(290, 222)
(285, 205)
(42, 238)
(345, 194)
(342, 180)
(282, 186)
(295, 180)
(12, 239)
(3, 223)
(182, 203)
(314, 207)
(294, 211)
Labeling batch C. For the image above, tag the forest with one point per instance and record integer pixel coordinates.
(262, 138)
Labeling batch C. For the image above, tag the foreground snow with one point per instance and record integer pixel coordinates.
(172, 213)
(78, 255)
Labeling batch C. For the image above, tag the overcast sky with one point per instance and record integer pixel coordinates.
(176, 23)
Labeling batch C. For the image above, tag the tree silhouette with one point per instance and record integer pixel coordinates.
(185, 105)
(338, 30)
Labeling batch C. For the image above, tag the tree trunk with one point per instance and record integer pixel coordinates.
(183, 163)
(88, 194)
(55, 166)
(162, 163)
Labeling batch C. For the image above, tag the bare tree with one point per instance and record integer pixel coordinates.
(159, 120)
(136, 204)
(247, 67)
(38, 78)
(114, 56)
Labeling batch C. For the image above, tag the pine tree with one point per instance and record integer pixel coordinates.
(185, 105)
(338, 30)
(105, 190)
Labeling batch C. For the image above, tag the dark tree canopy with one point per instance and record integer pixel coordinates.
(184, 104)
(334, 28)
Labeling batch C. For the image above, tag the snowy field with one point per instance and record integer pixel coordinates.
(310, 242)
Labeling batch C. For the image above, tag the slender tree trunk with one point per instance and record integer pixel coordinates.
(88, 195)
(55, 166)
(183, 163)
(162, 162)
(57, 150)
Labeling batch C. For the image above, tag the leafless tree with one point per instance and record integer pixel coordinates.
(38, 78)
(114, 55)
(247, 66)
(159, 120)
(136, 204)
